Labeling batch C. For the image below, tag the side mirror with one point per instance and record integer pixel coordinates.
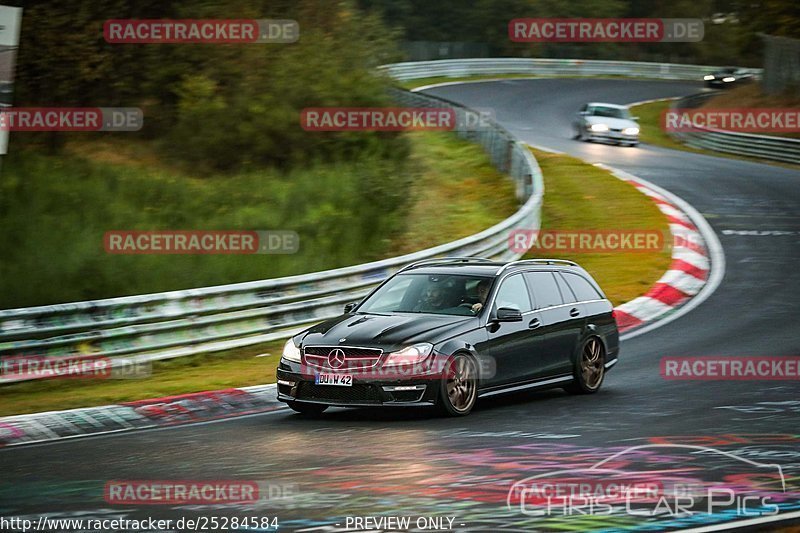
(583, 113)
(348, 308)
(634, 118)
(508, 314)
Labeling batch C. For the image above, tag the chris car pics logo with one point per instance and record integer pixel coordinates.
(656, 480)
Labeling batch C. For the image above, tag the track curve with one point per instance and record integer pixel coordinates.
(410, 463)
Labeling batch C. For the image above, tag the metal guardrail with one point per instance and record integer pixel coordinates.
(458, 68)
(178, 323)
(772, 148)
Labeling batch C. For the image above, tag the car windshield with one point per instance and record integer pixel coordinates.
(439, 294)
(611, 112)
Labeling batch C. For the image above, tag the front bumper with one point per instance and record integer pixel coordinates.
(614, 136)
(719, 83)
(295, 385)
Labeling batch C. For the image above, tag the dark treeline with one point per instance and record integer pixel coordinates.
(213, 107)
(731, 26)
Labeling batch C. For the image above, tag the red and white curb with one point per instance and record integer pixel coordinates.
(697, 267)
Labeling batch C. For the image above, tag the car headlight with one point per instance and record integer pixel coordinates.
(598, 127)
(708, 77)
(631, 131)
(729, 79)
(291, 352)
(409, 355)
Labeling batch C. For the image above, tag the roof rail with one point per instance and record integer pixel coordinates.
(446, 260)
(536, 262)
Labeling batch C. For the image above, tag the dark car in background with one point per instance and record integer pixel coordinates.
(448, 331)
(728, 77)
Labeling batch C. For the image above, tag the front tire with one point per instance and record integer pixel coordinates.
(589, 369)
(459, 386)
(310, 409)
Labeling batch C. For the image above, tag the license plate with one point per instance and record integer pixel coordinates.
(339, 380)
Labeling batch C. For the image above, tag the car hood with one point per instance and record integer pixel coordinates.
(386, 331)
(620, 123)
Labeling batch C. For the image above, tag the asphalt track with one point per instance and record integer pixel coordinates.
(411, 463)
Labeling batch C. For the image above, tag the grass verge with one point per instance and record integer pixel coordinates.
(581, 197)
(459, 196)
(240, 368)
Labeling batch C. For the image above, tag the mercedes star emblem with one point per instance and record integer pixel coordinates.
(336, 358)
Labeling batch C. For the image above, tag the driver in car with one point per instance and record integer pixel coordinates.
(483, 293)
(432, 299)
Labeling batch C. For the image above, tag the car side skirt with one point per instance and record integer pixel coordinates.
(524, 386)
(552, 382)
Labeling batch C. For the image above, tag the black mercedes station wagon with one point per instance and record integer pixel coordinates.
(448, 331)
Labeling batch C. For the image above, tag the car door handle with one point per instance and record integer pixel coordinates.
(533, 324)
(574, 312)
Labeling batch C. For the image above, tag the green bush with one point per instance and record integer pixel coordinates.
(55, 211)
(211, 107)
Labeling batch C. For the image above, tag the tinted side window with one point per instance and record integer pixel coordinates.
(545, 290)
(513, 293)
(582, 288)
(566, 293)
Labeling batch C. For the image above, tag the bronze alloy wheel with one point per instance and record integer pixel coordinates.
(459, 386)
(590, 368)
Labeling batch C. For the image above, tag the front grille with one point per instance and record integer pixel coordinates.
(616, 129)
(354, 358)
(358, 393)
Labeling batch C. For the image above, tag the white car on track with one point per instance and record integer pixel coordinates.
(606, 122)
